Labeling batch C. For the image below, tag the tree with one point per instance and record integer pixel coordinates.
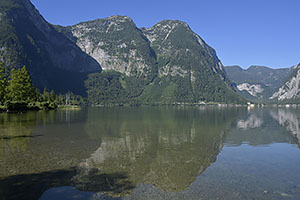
(38, 97)
(52, 96)
(20, 87)
(3, 82)
(45, 95)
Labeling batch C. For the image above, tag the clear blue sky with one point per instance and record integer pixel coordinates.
(243, 32)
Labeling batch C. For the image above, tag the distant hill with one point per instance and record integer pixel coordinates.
(257, 82)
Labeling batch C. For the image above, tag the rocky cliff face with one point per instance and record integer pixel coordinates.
(290, 89)
(254, 90)
(172, 40)
(117, 44)
(27, 39)
(174, 62)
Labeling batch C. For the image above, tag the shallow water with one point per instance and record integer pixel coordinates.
(151, 153)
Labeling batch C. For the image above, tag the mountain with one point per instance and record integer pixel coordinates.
(188, 64)
(54, 61)
(290, 89)
(257, 82)
(123, 52)
(166, 63)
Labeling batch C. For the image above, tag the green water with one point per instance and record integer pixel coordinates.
(151, 153)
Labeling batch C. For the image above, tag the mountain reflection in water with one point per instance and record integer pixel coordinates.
(166, 148)
(288, 118)
(258, 127)
(111, 152)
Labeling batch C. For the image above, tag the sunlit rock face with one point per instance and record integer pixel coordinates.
(290, 89)
(117, 44)
(254, 90)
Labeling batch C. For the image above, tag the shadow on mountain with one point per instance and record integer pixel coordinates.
(32, 186)
(54, 60)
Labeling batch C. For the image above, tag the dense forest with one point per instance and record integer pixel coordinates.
(114, 88)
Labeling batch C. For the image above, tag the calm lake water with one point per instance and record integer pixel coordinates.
(151, 153)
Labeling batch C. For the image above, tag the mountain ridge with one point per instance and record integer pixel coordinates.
(257, 82)
(166, 63)
(159, 49)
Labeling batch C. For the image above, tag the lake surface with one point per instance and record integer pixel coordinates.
(151, 153)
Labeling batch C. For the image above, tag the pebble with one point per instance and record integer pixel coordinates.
(285, 194)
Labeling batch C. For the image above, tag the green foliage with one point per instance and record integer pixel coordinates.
(105, 88)
(9, 43)
(111, 87)
(6, 5)
(16, 105)
(45, 95)
(20, 94)
(52, 96)
(70, 99)
(20, 87)
(3, 82)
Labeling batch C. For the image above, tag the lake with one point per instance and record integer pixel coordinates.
(151, 153)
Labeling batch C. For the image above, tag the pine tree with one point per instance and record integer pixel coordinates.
(52, 96)
(45, 95)
(3, 82)
(38, 97)
(20, 87)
